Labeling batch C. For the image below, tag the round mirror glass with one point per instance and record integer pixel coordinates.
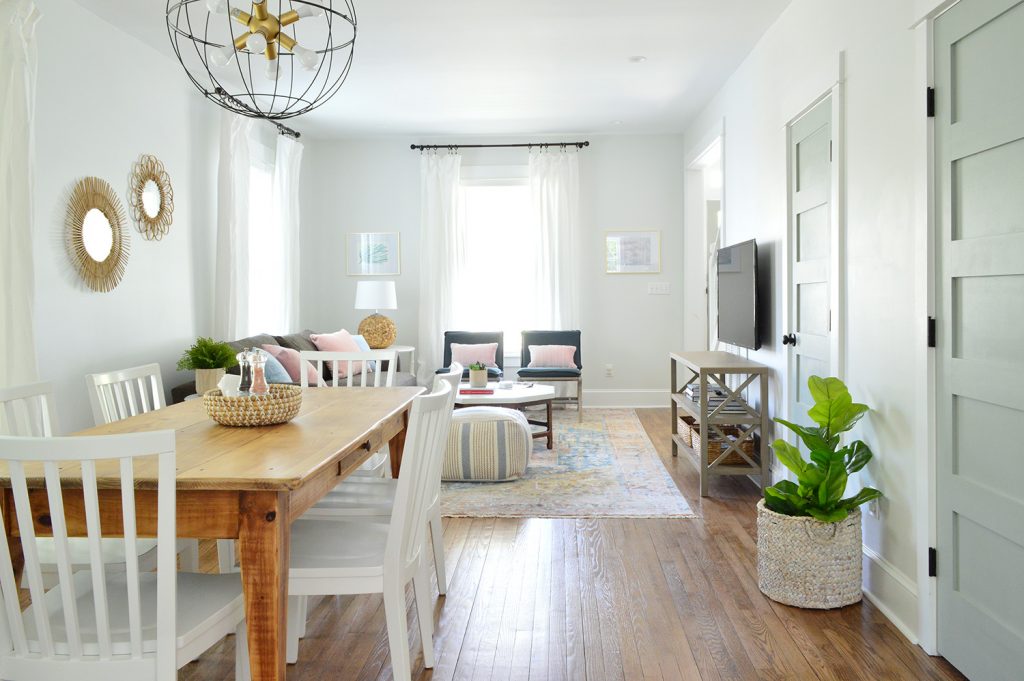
(151, 198)
(97, 235)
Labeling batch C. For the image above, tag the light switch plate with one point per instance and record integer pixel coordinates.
(660, 288)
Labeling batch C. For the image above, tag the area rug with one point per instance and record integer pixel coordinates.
(602, 467)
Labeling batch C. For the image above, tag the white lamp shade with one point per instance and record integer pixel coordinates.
(376, 295)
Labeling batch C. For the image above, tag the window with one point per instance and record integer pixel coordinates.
(496, 283)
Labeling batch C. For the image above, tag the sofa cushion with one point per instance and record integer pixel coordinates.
(548, 372)
(301, 342)
(552, 356)
(293, 364)
(339, 341)
(256, 341)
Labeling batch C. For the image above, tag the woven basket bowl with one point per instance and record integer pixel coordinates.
(807, 563)
(280, 405)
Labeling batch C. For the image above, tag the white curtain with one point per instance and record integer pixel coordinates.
(555, 195)
(231, 285)
(440, 246)
(17, 103)
(287, 168)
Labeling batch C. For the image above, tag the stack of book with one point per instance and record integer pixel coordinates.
(476, 391)
(715, 399)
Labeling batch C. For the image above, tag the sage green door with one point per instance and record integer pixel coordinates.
(979, 136)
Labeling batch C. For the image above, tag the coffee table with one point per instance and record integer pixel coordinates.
(519, 396)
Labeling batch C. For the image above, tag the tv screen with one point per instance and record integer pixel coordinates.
(737, 295)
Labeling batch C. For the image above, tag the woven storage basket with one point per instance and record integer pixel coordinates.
(685, 427)
(281, 404)
(716, 445)
(807, 563)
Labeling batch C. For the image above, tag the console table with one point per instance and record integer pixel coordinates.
(709, 371)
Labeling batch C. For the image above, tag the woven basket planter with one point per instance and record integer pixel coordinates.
(807, 563)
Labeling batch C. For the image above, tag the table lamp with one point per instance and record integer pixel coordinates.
(378, 330)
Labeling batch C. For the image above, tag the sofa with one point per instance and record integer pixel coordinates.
(296, 341)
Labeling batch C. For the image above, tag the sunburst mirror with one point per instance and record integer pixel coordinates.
(151, 197)
(95, 233)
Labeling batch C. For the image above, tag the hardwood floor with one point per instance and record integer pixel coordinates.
(624, 599)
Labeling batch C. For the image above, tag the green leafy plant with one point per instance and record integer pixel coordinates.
(821, 482)
(477, 366)
(207, 353)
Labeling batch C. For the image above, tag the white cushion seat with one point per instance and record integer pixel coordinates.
(321, 547)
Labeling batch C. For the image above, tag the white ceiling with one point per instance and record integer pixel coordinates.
(537, 66)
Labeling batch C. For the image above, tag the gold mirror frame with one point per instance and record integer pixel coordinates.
(89, 193)
(149, 168)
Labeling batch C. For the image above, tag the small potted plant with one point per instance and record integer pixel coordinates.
(209, 359)
(808, 533)
(477, 375)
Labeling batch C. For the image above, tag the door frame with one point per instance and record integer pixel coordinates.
(837, 231)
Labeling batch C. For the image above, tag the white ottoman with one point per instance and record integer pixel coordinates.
(489, 444)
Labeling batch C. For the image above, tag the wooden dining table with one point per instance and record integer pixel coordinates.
(247, 484)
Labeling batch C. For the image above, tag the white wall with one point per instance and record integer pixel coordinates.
(793, 64)
(626, 182)
(103, 99)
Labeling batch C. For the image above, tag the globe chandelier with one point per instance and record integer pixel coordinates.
(274, 59)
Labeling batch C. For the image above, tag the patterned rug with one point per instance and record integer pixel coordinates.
(602, 467)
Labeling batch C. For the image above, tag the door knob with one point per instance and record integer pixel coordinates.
(789, 339)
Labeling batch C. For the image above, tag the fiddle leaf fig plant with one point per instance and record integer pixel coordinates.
(821, 482)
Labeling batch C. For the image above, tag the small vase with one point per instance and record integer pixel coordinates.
(207, 379)
(478, 378)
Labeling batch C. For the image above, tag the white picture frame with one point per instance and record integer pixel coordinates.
(373, 254)
(632, 252)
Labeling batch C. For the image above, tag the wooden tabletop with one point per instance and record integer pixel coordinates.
(281, 457)
(719, 361)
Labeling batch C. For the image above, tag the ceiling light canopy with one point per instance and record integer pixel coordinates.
(279, 59)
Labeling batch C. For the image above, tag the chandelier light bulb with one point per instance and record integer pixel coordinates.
(217, 6)
(257, 42)
(309, 11)
(272, 70)
(308, 59)
(222, 56)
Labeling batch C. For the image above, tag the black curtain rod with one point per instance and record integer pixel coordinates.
(421, 147)
(282, 129)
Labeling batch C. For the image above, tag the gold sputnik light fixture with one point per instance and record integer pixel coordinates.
(271, 59)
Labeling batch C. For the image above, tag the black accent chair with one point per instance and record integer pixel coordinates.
(554, 374)
(475, 338)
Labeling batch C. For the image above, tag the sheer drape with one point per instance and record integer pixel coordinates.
(257, 280)
(555, 197)
(17, 103)
(440, 252)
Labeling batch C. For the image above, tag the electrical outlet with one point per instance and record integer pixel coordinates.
(873, 508)
(609, 370)
(660, 288)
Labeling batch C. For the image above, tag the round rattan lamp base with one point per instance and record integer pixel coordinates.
(378, 330)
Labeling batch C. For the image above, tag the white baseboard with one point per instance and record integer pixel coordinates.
(625, 398)
(892, 592)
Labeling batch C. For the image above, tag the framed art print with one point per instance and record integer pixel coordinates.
(373, 254)
(632, 252)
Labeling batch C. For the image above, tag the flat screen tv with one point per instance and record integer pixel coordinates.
(737, 295)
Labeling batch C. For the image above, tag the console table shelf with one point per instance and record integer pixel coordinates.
(710, 371)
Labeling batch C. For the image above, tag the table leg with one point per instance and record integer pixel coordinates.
(13, 540)
(551, 427)
(396, 446)
(263, 551)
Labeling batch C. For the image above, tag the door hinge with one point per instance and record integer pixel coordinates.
(931, 332)
(929, 102)
(933, 559)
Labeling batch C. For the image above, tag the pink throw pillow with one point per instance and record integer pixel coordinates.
(291, 361)
(466, 354)
(339, 341)
(553, 356)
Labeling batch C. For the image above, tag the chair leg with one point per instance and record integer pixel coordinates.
(226, 556)
(424, 613)
(295, 610)
(398, 631)
(437, 538)
(303, 615)
(242, 672)
(188, 554)
(579, 398)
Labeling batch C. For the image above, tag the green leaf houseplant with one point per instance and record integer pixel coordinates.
(477, 375)
(808, 532)
(209, 359)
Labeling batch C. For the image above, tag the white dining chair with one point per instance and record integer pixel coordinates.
(371, 499)
(117, 395)
(28, 411)
(335, 557)
(95, 625)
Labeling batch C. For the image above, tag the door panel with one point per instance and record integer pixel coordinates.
(810, 249)
(979, 145)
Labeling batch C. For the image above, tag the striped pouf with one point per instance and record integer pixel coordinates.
(489, 444)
